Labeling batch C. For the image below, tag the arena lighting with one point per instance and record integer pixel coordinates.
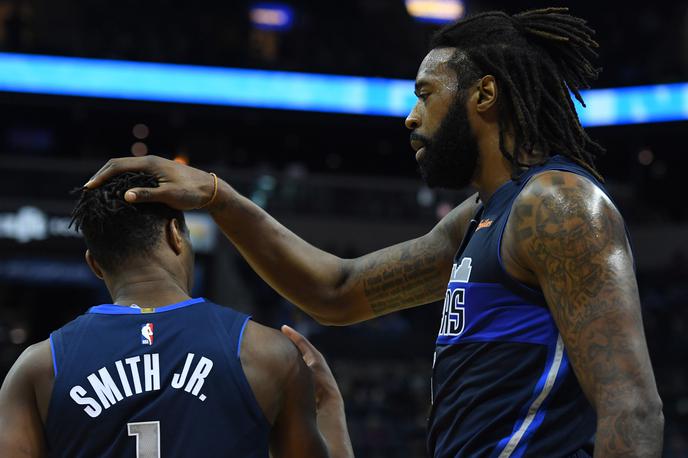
(112, 79)
(435, 11)
(271, 16)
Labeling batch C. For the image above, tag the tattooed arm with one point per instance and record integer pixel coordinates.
(569, 235)
(330, 289)
(343, 291)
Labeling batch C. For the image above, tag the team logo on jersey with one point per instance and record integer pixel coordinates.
(454, 312)
(484, 224)
(462, 272)
(147, 334)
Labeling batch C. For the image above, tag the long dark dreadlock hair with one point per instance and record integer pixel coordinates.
(537, 57)
(115, 230)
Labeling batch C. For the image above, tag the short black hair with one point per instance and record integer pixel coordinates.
(115, 230)
(537, 57)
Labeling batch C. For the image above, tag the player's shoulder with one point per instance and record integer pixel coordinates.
(565, 193)
(35, 362)
(562, 212)
(269, 361)
(269, 348)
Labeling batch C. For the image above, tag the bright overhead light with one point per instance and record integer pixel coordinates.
(436, 11)
(271, 16)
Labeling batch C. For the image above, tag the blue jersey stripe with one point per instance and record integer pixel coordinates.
(241, 335)
(490, 312)
(515, 444)
(563, 372)
(52, 350)
(113, 309)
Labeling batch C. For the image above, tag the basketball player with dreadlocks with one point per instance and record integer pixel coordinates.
(541, 349)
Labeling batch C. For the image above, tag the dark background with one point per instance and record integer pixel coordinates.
(349, 184)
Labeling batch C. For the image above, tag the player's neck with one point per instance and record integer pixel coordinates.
(153, 287)
(494, 169)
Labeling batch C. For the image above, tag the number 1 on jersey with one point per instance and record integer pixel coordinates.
(147, 438)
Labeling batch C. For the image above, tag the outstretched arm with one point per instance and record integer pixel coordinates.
(570, 235)
(21, 425)
(335, 290)
(330, 289)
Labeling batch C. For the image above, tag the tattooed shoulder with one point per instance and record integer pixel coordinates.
(560, 215)
(572, 237)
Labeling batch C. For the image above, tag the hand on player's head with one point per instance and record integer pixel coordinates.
(180, 186)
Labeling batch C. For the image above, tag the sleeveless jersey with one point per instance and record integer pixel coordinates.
(143, 385)
(502, 382)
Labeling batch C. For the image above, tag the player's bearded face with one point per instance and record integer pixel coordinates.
(451, 155)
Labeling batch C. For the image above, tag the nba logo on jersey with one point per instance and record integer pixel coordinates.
(147, 334)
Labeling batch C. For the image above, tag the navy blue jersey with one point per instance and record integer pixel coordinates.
(132, 382)
(502, 382)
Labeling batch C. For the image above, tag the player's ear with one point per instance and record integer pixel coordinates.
(93, 264)
(487, 93)
(175, 235)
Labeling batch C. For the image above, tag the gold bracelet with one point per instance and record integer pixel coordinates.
(212, 199)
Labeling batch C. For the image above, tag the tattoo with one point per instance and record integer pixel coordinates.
(414, 272)
(574, 240)
(405, 275)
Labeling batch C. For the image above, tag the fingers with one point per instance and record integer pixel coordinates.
(141, 195)
(120, 165)
(308, 351)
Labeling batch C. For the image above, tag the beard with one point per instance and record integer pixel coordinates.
(451, 155)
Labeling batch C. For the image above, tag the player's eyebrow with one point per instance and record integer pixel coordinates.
(420, 83)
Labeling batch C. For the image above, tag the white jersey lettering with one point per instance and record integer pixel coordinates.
(179, 380)
(106, 391)
(105, 388)
(132, 362)
(92, 408)
(151, 371)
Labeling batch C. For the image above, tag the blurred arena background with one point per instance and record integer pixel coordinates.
(329, 157)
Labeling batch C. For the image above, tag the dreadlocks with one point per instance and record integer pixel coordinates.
(538, 58)
(114, 229)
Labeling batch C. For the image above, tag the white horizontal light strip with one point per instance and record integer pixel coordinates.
(112, 79)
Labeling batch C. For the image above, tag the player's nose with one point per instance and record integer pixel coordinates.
(412, 121)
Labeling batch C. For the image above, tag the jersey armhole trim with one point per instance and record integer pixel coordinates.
(241, 336)
(245, 385)
(52, 351)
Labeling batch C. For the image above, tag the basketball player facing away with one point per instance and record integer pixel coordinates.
(541, 344)
(158, 373)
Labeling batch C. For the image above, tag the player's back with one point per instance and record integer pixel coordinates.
(169, 382)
